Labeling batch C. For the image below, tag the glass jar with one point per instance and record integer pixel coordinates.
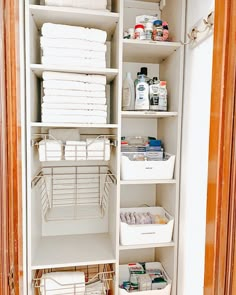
(139, 32)
(157, 30)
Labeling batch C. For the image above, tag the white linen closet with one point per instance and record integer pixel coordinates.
(79, 229)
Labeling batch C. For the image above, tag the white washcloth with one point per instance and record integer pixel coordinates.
(74, 119)
(64, 134)
(73, 44)
(73, 61)
(92, 79)
(63, 31)
(87, 4)
(50, 150)
(57, 112)
(98, 149)
(73, 85)
(64, 52)
(56, 283)
(78, 93)
(74, 106)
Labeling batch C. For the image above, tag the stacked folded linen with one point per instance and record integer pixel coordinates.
(67, 282)
(50, 150)
(73, 46)
(98, 149)
(74, 98)
(75, 150)
(86, 4)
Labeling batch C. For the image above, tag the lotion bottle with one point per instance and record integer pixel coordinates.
(128, 93)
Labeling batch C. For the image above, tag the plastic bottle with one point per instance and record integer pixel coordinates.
(154, 94)
(144, 71)
(142, 94)
(165, 31)
(162, 97)
(139, 32)
(128, 93)
(136, 80)
(148, 31)
(157, 30)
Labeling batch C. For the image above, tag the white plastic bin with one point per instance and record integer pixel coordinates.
(147, 170)
(124, 276)
(146, 233)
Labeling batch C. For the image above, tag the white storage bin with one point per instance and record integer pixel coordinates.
(142, 170)
(138, 234)
(124, 276)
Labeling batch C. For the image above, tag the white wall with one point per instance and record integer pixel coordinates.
(195, 141)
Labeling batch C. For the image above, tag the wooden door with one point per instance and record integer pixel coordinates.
(10, 152)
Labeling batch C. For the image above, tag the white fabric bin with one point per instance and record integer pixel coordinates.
(147, 170)
(138, 234)
(124, 276)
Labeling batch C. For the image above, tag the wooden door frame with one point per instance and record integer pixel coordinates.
(220, 223)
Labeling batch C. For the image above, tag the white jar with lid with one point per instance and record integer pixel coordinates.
(139, 32)
(148, 31)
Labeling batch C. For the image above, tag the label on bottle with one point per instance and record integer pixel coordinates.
(154, 97)
(142, 99)
(162, 100)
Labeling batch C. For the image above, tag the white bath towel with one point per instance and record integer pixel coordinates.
(50, 30)
(74, 119)
(73, 61)
(58, 112)
(73, 44)
(74, 106)
(92, 79)
(64, 134)
(78, 93)
(56, 283)
(87, 4)
(74, 100)
(50, 150)
(73, 85)
(64, 52)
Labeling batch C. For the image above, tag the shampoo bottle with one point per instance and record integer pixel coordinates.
(128, 93)
(142, 94)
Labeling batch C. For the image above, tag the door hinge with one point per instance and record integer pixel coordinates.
(11, 281)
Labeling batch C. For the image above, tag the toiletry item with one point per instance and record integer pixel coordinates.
(135, 269)
(162, 106)
(154, 94)
(136, 80)
(128, 93)
(131, 33)
(144, 71)
(157, 31)
(142, 94)
(165, 31)
(144, 282)
(148, 31)
(139, 32)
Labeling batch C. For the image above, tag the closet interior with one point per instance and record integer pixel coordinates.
(78, 178)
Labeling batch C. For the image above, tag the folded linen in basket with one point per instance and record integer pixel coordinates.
(75, 150)
(50, 30)
(87, 4)
(73, 85)
(56, 283)
(72, 44)
(92, 79)
(58, 112)
(74, 61)
(64, 52)
(74, 106)
(50, 150)
(74, 93)
(74, 119)
(98, 149)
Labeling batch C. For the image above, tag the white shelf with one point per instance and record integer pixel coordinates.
(152, 181)
(38, 69)
(102, 20)
(148, 114)
(133, 247)
(71, 125)
(148, 51)
(69, 251)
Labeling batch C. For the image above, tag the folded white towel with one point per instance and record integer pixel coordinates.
(57, 112)
(98, 149)
(50, 30)
(78, 93)
(87, 4)
(75, 150)
(64, 134)
(73, 61)
(56, 283)
(73, 85)
(73, 44)
(74, 119)
(64, 52)
(50, 150)
(74, 106)
(92, 79)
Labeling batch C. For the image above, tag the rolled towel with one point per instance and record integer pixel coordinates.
(50, 150)
(87, 4)
(74, 61)
(50, 30)
(73, 85)
(92, 79)
(74, 93)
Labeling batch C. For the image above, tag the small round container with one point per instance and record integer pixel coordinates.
(149, 31)
(139, 32)
(165, 31)
(157, 30)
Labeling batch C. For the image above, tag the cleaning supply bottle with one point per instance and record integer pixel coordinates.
(142, 94)
(144, 71)
(136, 80)
(128, 93)
(154, 94)
(162, 106)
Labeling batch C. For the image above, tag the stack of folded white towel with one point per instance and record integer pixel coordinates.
(74, 98)
(50, 150)
(86, 4)
(73, 46)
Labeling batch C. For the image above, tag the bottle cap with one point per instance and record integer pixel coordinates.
(155, 79)
(165, 24)
(139, 26)
(144, 71)
(162, 83)
(157, 22)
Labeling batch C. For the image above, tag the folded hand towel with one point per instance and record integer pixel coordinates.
(73, 61)
(75, 151)
(87, 4)
(98, 149)
(74, 119)
(64, 134)
(74, 93)
(64, 52)
(92, 79)
(50, 30)
(72, 43)
(58, 112)
(50, 150)
(73, 85)
(74, 106)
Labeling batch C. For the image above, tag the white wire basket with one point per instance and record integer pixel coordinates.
(98, 281)
(72, 193)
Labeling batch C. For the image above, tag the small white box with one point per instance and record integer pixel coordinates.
(141, 234)
(143, 170)
(124, 276)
